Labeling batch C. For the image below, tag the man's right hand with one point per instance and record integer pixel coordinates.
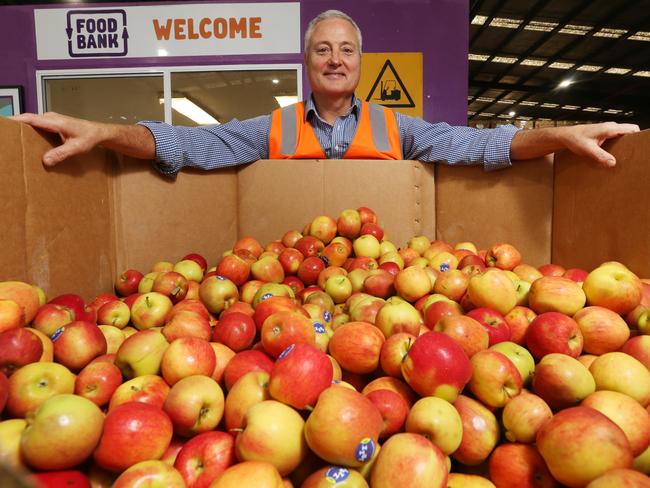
(79, 136)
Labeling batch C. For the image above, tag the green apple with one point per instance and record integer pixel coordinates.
(63, 433)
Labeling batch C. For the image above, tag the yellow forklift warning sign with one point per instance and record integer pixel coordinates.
(393, 80)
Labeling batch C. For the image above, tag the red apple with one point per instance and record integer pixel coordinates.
(153, 471)
(234, 268)
(323, 228)
(150, 310)
(639, 348)
(77, 304)
(18, 347)
(309, 270)
(249, 473)
(480, 431)
(78, 343)
(133, 432)
(98, 381)
(518, 320)
(503, 256)
(299, 375)
(244, 362)
(12, 315)
(554, 332)
(309, 246)
(204, 457)
(127, 283)
(393, 409)
(556, 294)
(250, 244)
(519, 465)
(148, 388)
(50, 317)
(468, 333)
(436, 365)
(579, 444)
(602, 330)
(356, 347)
(198, 259)
(495, 379)
(235, 330)
(348, 223)
(551, 269)
(523, 416)
(187, 356)
(194, 404)
(408, 459)
(343, 428)
(24, 294)
(562, 381)
(393, 351)
(493, 322)
(187, 323)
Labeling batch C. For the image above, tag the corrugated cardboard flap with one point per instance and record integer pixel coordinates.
(603, 214)
(279, 195)
(512, 205)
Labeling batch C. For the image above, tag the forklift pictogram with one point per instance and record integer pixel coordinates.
(389, 91)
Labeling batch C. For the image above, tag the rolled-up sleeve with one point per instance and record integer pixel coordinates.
(209, 147)
(455, 145)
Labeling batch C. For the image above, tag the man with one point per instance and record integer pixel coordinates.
(332, 123)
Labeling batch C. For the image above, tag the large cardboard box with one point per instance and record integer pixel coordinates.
(73, 228)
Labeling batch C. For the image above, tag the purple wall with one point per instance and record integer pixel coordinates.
(437, 28)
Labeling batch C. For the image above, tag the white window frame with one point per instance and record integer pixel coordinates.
(165, 71)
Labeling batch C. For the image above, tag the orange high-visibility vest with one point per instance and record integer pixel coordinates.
(292, 137)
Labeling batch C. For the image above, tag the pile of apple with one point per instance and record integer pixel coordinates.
(328, 358)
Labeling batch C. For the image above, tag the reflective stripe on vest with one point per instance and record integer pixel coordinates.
(292, 137)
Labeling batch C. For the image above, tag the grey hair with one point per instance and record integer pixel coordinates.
(330, 14)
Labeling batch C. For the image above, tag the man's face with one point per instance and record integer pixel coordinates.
(333, 58)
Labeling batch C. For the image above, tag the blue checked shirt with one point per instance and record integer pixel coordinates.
(243, 141)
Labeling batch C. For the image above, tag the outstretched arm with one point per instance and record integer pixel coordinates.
(80, 136)
(584, 140)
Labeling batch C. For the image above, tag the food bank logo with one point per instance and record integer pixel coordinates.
(93, 33)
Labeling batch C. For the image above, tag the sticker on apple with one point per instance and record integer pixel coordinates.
(337, 474)
(365, 450)
(284, 353)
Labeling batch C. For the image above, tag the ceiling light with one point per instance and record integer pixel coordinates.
(505, 22)
(612, 111)
(192, 111)
(507, 101)
(549, 105)
(512, 113)
(578, 30)
(528, 103)
(479, 20)
(487, 114)
(607, 32)
(470, 112)
(565, 83)
(162, 52)
(533, 62)
(504, 59)
(570, 107)
(477, 57)
(642, 73)
(536, 25)
(283, 101)
(503, 116)
(560, 65)
(589, 67)
(617, 71)
(591, 109)
(485, 99)
(640, 36)
(275, 81)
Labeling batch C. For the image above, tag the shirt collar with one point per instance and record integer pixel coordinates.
(310, 108)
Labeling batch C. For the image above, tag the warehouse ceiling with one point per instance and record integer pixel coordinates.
(560, 60)
(553, 60)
